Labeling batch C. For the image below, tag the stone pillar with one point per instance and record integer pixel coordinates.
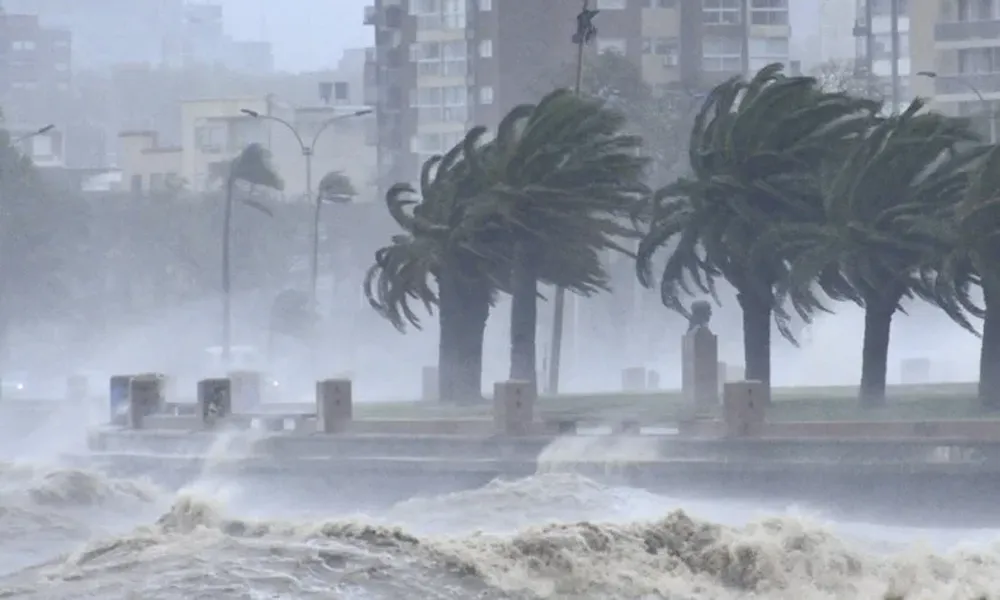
(514, 407)
(634, 379)
(214, 400)
(915, 371)
(334, 405)
(146, 397)
(118, 397)
(247, 389)
(430, 385)
(745, 405)
(77, 388)
(700, 370)
(652, 380)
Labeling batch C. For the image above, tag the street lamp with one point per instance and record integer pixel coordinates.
(307, 152)
(35, 133)
(986, 106)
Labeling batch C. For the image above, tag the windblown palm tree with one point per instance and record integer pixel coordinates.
(906, 167)
(252, 166)
(967, 257)
(560, 180)
(438, 263)
(756, 150)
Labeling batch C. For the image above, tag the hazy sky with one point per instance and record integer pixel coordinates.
(310, 36)
(313, 35)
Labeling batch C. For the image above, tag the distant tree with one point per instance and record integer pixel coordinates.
(336, 187)
(844, 76)
(252, 166)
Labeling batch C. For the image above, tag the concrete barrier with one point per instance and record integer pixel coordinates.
(334, 405)
(146, 397)
(246, 390)
(514, 407)
(214, 401)
(744, 408)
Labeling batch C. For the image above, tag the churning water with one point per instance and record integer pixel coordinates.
(73, 533)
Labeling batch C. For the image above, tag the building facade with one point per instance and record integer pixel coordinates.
(214, 131)
(35, 77)
(440, 66)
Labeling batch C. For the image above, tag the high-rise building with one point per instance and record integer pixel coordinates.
(35, 73)
(439, 66)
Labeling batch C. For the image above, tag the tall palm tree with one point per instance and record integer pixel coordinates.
(967, 257)
(560, 178)
(755, 152)
(252, 166)
(439, 264)
(906, 166)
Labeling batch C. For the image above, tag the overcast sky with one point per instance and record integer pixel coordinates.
(310, 36)
(313, 35)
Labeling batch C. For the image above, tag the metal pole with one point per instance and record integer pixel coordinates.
(745, 37)
(307, 152)
(583, 34)
(894, 27)
(870, 47)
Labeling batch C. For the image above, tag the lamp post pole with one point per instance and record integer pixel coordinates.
(308, 150)
(585, 33)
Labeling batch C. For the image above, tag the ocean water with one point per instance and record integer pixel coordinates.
(76, 533)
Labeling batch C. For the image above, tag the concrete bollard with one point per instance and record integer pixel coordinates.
(334, 405)
(118, 399)
(513, 407)
(214, 400)
(246, 391)
(744, 408)
(77, 388)
(915, 371)
(634, 379)
(430, 384)
(146, 397)
(700, 371)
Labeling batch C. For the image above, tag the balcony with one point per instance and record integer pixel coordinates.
(967, 30)
(860, 29)
(371, 15)
(987, 83)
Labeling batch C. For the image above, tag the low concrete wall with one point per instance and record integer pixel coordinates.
(971, 430)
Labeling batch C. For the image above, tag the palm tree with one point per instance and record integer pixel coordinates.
(905, 167)
(437, 263)
(967, 257)
(560, 179)
(252, 166)
(755, 151)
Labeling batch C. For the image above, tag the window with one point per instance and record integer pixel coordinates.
(611, 4)
(778, 16)
(485, 5)
(659, 3)
(978, 60)
(440, 58)
(776, 47)
(486, 49)
(718, 12)
(23, 45)
(666, 47)
(136, 183)
(486, 95)
(722, 54)
(611, 45)
(156, 182)
(61, 67)
(441, 104)
(210, 139)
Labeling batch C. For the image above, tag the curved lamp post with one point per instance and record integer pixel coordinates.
(987, 106)
(307, 152)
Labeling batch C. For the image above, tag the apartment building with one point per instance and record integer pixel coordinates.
(439, 66)
(35, 69)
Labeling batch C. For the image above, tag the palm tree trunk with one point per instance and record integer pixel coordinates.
(756, 338)
(523, 315)
(226, 282)
(989, 356)
(464, 310)
(875, 351)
